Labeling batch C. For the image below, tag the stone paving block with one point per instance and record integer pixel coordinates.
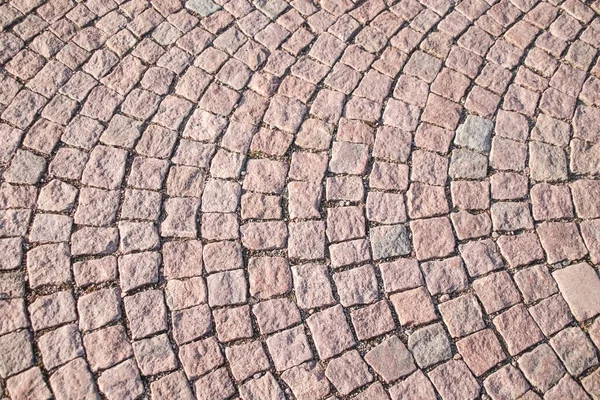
(174, 384)
(453, 380)
(74, 380)
(330, 331)
(348, 372)
(541, 367)
(518, 329)
(429, 345)
(232, 175)
(506, 382)
(414, 307)
(107, 347)
(575, 350)
(462, 315)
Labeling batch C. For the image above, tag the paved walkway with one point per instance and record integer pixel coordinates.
(299, 200)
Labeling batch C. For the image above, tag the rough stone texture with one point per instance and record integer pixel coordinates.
(273, 199)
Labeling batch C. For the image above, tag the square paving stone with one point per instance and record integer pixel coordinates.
(453, 380)
(146, 312)
(200, 357)
(481, 351)
(276, 314)
(416, 385)
(17, 353)
(432, 238)
(60, 346)
(99, 308)
(330, 332)
(429, 345)
(247, 359)
(414, 307)
(227, 288)
(496, 291)
(357, 286)
(372, 321)
(541, 367)
(389, 241)
(391, 359)
(506, 382)
(233, 323)
(121, 380)
(575, 350)
(518, 329)
(462, 315)
(312, 286)
(348, 372)
(154, 355)
(576, 284)
(74, 381)
(172, 385)
(445, 276)
(107, 347)
(289, 348)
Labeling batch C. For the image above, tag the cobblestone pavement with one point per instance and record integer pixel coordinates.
(299, 200)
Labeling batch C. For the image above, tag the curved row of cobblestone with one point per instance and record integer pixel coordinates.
(299, 200)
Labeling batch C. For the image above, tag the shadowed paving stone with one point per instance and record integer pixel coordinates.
(467, 164)
(429, 345)
(389, 241)
(475, 133)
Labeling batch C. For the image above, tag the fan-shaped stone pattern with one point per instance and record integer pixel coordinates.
(380, 199)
